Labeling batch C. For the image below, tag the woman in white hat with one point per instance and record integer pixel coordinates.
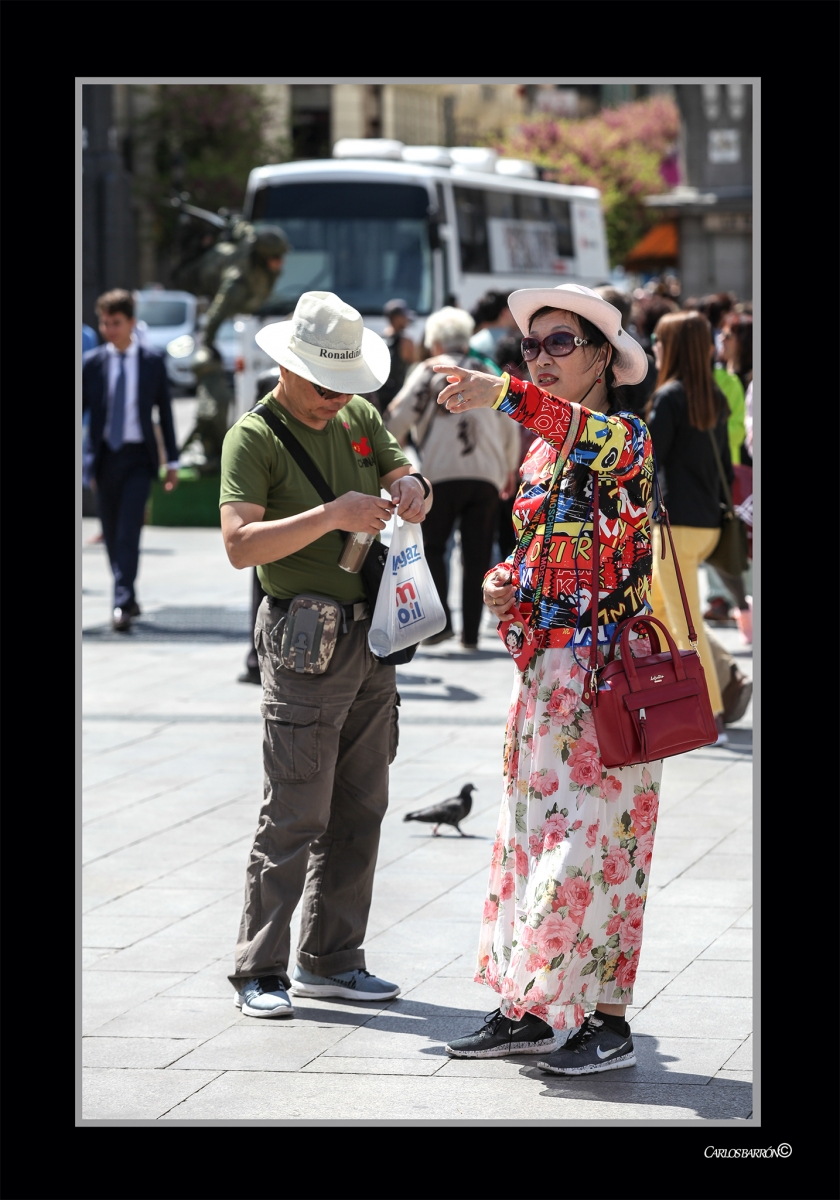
(562, 925)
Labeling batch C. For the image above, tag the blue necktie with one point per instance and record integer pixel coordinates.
(117, 429)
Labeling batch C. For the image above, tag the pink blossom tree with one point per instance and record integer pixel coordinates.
(626, 152)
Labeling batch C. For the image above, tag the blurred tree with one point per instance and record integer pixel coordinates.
(205, 139)
(625, 152)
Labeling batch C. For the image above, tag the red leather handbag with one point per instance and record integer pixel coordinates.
(653, 706)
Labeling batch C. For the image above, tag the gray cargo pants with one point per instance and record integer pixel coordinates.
(328, 741)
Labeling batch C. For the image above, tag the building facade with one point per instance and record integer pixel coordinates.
(713, 207)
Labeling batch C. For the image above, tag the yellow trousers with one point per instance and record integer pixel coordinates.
(692, 547)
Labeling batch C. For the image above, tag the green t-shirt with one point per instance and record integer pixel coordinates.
(732, 388)
(352, 453)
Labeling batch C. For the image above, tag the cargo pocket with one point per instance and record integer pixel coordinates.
(395, 730)
(291, 747)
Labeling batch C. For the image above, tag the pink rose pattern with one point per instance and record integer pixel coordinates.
(564, 912)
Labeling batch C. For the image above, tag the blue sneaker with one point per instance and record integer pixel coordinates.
(349, 985)
(264, 997)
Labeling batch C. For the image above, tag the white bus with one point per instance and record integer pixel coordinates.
(427, 224)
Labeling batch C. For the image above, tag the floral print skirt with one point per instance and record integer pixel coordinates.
(564, 914)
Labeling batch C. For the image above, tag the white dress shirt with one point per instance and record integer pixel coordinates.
(132, 430)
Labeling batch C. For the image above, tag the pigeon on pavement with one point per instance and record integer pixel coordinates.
(448, 812)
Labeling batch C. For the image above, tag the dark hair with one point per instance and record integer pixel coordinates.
(617, 299)
(116, 301)
(597, 340)
(686, 340)
(508, 354)
(650, 310)
(740, 326)
(714, 308)
(488, 307)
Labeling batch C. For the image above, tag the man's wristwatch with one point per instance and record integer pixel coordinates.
(426, 488)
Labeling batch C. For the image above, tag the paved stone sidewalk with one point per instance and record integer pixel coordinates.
(172, 789)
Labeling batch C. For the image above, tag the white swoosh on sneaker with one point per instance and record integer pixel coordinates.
(607, 1053)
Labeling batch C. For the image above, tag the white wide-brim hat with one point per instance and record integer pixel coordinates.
(629, 363)
(326, 342)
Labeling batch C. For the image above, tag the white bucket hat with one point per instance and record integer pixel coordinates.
(629, 363)
(326, 342)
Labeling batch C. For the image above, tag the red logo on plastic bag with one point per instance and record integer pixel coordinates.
(408, 603)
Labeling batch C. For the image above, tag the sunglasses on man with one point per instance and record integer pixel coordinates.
(558, 345)
(325, 394)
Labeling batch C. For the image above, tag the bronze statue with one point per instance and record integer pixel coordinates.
(236, 265)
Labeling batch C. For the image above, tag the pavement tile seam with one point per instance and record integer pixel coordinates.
(115, 899)
(405, 916)
(91, 754)
(169, 829)
(710, 780)
(133, 805)
(112, 779)
(206, 1083)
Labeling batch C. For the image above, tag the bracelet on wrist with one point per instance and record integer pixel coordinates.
(505, 389)
(426, 488)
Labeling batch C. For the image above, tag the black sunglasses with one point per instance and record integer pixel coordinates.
(558, 345)
(325, 394)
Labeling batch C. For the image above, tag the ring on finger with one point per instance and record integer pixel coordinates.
(461, 398)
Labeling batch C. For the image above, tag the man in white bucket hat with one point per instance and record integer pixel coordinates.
(330, 709)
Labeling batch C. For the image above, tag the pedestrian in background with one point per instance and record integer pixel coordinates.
(89, 508)
(401, 348)
(733, 348)
(688, 410)
(493, 322)
(469, 459)
(122, 383)
(633, 397)
(646, 313)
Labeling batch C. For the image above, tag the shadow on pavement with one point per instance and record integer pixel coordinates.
(726, 1098)
(452, 693)
(177, 622)
(471, 656)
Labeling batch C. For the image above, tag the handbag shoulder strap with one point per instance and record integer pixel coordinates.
(726, 490)
(596, 574)
(297, 452)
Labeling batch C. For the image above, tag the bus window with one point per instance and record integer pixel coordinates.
(501, 204)
(367, 242)
(559, 212)
(512, 232)
(472, 230)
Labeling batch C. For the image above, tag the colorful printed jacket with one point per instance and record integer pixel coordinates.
(619, 450)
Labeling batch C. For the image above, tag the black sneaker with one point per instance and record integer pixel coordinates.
(499, 1036)
(595, 1047)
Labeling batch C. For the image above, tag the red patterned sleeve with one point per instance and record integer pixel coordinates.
(602, 443)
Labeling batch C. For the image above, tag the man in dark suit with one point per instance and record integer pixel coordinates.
(122, 382)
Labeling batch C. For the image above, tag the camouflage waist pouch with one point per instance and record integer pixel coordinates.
(309, 634)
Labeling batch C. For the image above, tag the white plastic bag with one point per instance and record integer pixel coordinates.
(408, 608)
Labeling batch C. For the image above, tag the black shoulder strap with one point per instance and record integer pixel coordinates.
(726, 490)
(297, 452)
